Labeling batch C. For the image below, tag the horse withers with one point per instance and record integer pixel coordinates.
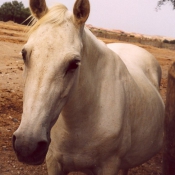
(87, 106)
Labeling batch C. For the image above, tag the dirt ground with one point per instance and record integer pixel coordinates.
(11, 86)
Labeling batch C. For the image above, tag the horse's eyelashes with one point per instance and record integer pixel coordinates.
(73, 64)
(24, 54)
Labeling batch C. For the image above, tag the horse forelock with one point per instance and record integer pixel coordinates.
(56, 15)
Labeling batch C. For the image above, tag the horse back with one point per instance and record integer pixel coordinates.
(139, 62)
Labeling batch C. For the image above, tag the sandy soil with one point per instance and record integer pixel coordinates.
(11, 86)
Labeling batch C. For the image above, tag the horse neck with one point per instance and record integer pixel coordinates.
(85, 98)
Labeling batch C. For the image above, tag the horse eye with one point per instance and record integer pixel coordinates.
(24, 54)
(73, 65)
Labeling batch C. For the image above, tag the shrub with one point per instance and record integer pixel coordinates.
(14, 11)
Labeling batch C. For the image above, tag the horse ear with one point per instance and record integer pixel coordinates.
(81, 11)
(38, 8)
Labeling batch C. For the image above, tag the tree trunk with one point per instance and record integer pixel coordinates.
(169, 126)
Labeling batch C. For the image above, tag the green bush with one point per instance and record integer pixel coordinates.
(14, 11)
(172, 42)
(165, 41)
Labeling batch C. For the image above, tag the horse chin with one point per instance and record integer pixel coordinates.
(33, 159)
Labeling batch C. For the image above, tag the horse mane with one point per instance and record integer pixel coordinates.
(56, 15)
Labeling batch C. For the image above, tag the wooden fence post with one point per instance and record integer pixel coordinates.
(169, 126)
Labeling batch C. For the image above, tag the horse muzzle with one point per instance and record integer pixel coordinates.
(29, 150)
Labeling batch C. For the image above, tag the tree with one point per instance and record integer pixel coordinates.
(162, 2)
(14, 11)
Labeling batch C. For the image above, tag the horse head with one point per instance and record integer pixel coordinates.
(52, 58)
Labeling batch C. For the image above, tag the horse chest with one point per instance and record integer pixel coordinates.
(84, 153)
(77, 161)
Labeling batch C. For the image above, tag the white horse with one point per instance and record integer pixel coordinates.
(89, 108)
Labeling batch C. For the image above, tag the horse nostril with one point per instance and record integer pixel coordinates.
(42, 146)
